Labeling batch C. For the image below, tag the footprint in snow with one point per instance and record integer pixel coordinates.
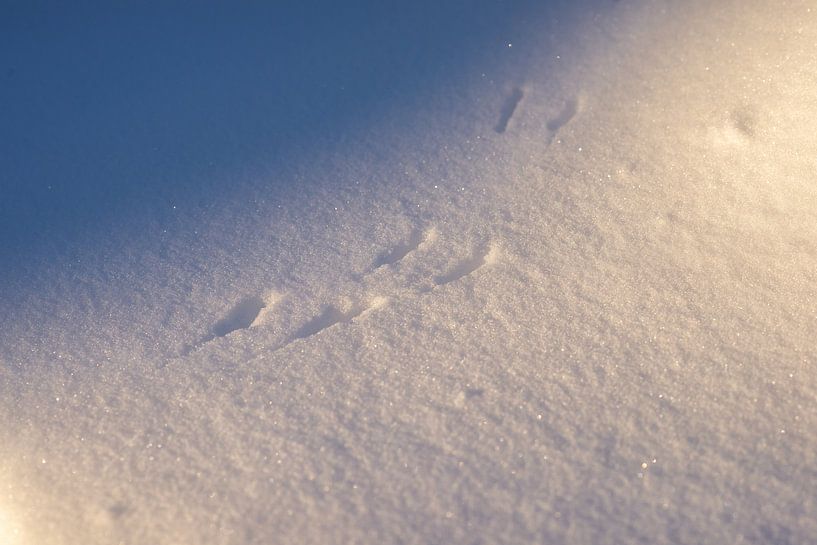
(484, 255)
(508, 109)
(568, 112)
(333, 315)
(401, 250)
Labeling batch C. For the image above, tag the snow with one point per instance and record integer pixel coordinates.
(372, 275)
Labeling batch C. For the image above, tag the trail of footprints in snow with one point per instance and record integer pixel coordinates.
(569, 110)
(251, 311)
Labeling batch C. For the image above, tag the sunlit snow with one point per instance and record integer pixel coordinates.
(424, 272)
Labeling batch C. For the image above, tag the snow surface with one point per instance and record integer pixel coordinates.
(472, 273)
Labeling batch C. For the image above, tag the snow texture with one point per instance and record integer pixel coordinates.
(458, 272)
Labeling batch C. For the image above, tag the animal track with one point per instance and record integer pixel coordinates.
(744, 121)
(740, 126)
(248, 312)
(332, 315)
(570, 109)
(241, 316)
(484, 256)
(508, 109)
(417, 239)
(254, 311)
